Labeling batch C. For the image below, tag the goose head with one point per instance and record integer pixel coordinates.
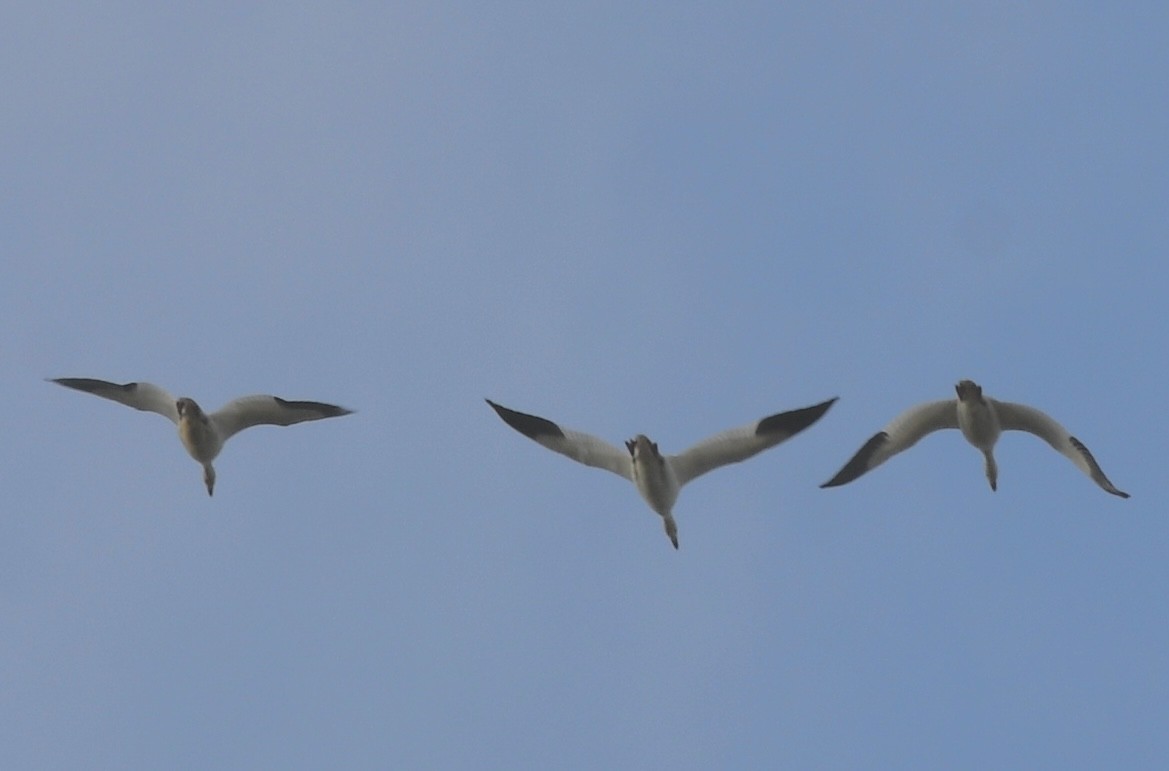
(968, 391)
(189, 409)
(641, 447)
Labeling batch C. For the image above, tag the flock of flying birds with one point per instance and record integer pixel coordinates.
(657, 477)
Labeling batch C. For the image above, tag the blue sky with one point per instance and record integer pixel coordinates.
(667, 219)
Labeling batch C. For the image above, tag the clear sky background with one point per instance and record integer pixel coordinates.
(670, 219)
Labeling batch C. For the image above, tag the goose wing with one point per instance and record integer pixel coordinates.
(904, 432)
(738, 444)
(1020, 417)
(141, 396)
(265, 410)
(581, 447)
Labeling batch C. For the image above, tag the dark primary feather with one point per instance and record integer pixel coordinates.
(794, 421)
(92, 385)
(530, 426)
(859, 463)
(1096, 472)
(324, 410)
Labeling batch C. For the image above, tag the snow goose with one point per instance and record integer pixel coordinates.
(204, 435)
(981, 420)
(659, 477)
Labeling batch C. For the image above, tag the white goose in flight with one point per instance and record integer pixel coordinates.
(981, 420)
(204, 435)
(659, 477)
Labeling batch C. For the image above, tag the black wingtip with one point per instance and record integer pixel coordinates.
(794, 421)
(90, 385)
(859, 463)
(530, 426)
(326, 410)
(1098, 475)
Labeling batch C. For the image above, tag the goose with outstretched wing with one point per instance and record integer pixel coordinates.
(203, 434)
(981, 420)
(659, 477)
